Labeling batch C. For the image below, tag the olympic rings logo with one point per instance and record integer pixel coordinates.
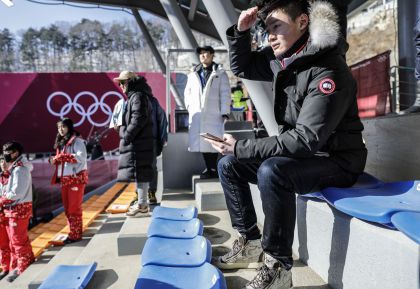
(80, 109)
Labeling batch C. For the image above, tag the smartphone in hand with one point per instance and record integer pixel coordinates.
(212, 137)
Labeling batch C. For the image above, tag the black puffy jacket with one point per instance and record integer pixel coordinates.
(314, 97)
(136, 135)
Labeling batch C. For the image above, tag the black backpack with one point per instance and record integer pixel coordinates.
(160, 124)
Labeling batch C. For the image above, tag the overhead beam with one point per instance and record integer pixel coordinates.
(201, 23)
(143, 28)
(193, 10)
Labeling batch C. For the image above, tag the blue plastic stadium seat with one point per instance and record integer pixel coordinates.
(376, 204)
(408, 223)
(69, 277)
(175, 229)
(183, 214)
(205, 276)
(176, 252)
(365, 180)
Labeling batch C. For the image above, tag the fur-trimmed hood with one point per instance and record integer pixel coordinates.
(324, 28)
(324, 35)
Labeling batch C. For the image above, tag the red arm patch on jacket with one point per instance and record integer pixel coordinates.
(326, 85)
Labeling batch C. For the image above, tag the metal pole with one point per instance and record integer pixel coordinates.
(143, 28)
(260, 92)
(181, 27)
(168, 92)
(406, 51)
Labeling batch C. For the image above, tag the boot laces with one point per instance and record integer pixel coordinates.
(263, 277)
(237, 246)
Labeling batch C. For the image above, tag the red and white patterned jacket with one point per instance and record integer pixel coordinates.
(71, 163)
(16, 190)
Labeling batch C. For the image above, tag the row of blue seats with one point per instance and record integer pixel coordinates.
(176, 255)
(395, 204)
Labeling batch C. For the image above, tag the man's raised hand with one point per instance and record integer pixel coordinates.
(247, 19)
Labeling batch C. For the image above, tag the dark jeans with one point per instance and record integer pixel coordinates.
(278, 179)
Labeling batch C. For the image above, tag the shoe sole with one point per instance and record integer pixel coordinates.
(138, 214)
(288, 284)
(230, 266)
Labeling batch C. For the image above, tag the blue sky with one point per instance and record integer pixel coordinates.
(25, 14)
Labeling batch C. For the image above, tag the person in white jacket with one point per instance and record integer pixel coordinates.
(16, 203)
(207, 98)
(71, 173)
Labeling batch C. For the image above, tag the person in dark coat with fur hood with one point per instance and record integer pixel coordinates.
(136, 139)
(319, 142)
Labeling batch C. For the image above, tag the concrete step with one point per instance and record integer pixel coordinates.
(196, 179)
(209, 195)
(133, 236)
(114, 270)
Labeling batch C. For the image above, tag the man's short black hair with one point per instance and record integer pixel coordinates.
(293, 8)
(13, 146)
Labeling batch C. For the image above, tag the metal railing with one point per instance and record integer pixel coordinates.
(403, 87)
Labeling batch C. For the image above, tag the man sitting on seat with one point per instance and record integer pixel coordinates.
(320, 134)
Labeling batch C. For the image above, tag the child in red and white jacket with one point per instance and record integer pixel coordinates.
(16, 203)
(71, 173)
